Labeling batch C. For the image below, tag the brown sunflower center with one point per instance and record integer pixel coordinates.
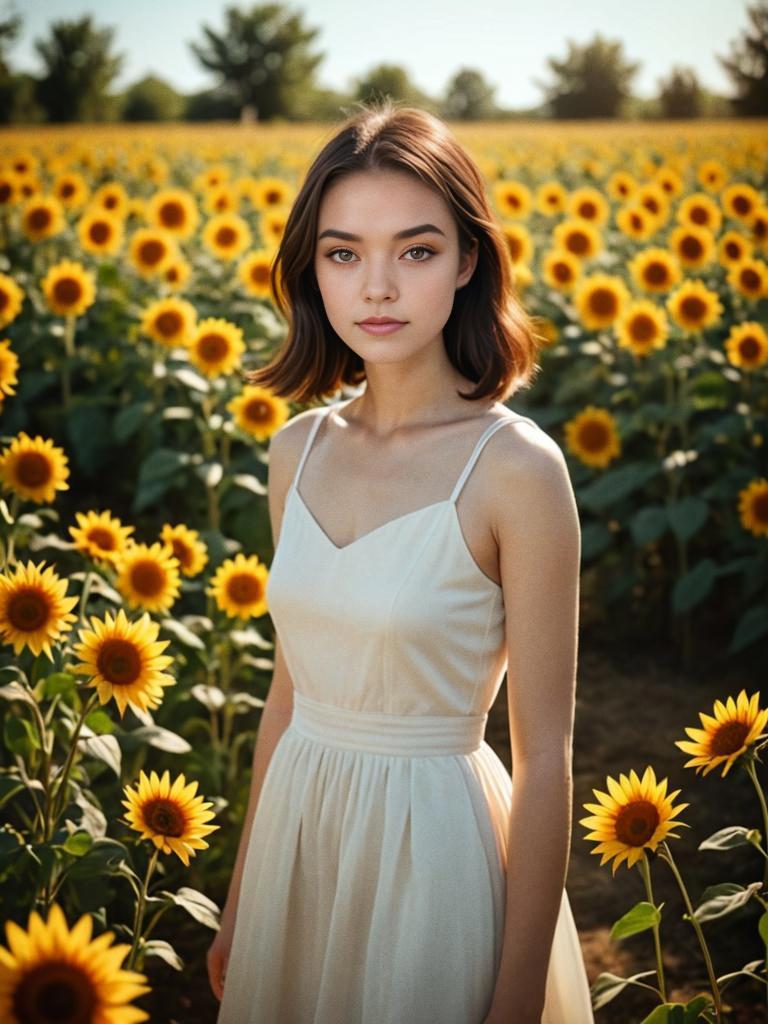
(256, 411)
(260, 273)
(39, 219)
(33, 469)
(181, 551)
(577, 242)
(212, 347)
(67, 290)
(749, 347)
(691, 248)
(733, 250)
(102, 538)
(119, 661)
(168, 323)
(152, 252)
(603, 302)
(642, 327)
(164, 817)
(699, 215)
(67, 189)
(99, 232)
(226, 236)
(273, 197)
(28, 609)
(587, 210)
(750, 279)
(693, 308)
(147, 578)
(656, 273)
(172, 214)
(637, 221)
(729, 738)
(760, 507)
(593, 436)
(742, 205)
(55, 992)
(243, 588)
(562, 272)
(637, 822)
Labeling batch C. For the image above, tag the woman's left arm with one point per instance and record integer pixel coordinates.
(539, 539)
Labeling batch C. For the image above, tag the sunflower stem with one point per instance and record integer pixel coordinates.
(750, 768)
(60, 794)
(645, 871)
(140, 906)
(666, 854)
(69, 353)
(9, 560)
(85, 594)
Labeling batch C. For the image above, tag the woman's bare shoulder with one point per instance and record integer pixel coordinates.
(526, 465)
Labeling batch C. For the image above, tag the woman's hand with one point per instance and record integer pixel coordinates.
(217, 957)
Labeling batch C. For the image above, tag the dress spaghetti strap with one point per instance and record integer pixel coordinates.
(484, 437)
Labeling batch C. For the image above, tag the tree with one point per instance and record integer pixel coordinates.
(592, 81)
(152, 99)
(78, 71)
(748, 65)
(9, 29)
(263, 59)
(680, 94)
(469, 97)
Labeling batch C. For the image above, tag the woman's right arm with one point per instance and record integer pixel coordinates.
(284, 452)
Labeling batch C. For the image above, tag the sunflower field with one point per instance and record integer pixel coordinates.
(135, 637)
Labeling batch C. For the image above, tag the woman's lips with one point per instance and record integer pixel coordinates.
(389, 328)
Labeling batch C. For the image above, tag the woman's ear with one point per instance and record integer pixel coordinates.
(467, 264)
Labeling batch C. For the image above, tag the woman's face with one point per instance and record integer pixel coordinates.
(377, 274)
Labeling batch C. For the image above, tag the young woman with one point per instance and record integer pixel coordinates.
(427, 539)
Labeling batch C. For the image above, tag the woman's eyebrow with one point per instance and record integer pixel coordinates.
(420, 229)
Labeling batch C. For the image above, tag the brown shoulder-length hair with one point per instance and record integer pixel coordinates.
(489, 337)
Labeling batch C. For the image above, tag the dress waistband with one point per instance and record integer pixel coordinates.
(378, 732)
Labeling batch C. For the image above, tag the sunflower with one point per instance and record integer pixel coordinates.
(747, 345)
(634, 815)
(258, 411)
(268, 192)
(173, 210)
(733, 247)
(172, 816)
(100, 536)
(10, 192)
(642, 328)
(176, 273)
(561, 269)
(215, 346)
(711, 175)
(749, 277)
(11, 298)
(123, 659)
(34, 611)
(546, 330)
(239, 586)
(513, 199)
(753, 507)
(254, 273)
(635, 221)
(221, 199)
(758, 227)
(519, 242)
(693, 246)
(100, 232)
(740, 201)
(113, 197)
(51, 973)
(592, 436)
(170, 321)
(621, 186)
(9, 364)
(227, 235)
(654, 199)
(190, 552)
(213, 175)
(272, 225)
(34, 468)
(151, 250)
(551, 198)
(148, 576)
(693, 306)
(579, 237)
(735, 727)
(700, 210)
(600, 300)
(590, 204)
(71, 189)
(655, 269)
(42, 217)
(669, 181)
(69, 288)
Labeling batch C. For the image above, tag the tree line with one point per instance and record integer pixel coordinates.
(264, 64)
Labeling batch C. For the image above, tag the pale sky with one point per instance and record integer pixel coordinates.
(507, 40)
